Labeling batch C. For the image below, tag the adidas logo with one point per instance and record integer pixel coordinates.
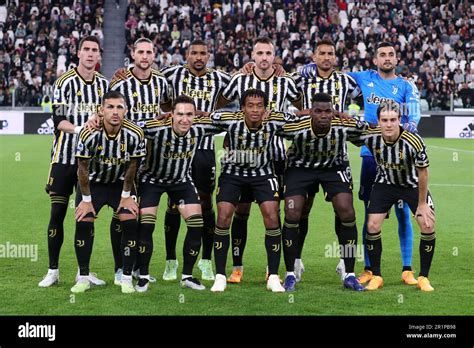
(47, 127)
(371, 84)
(467, 132)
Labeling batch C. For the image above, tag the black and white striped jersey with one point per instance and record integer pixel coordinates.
(338, 85)
(397, 162)
(74, 100)
(169, 155)
(204, 89)
(143, 97)
(280, 91)
(109, 155)
(249, 150)
(321, 151)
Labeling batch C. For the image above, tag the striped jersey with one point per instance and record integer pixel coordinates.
(170, 155)
(204, 90)
(109, 155)
(249, 151)
(74, 100)
(397, 162)
(322, 151)
(338, 85)
(280, 90)
(143, 97)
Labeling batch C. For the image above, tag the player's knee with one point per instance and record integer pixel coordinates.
(373, 226)
(271, 220)
(223, 221)
(292, 214)
(346, 213)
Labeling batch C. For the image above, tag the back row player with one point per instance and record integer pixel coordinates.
(77, 94)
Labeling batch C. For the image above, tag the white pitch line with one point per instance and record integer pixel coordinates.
(450, 149)
(451, 185)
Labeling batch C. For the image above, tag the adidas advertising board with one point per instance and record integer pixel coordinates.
(11, 122)
(38, 123)
(459, 127)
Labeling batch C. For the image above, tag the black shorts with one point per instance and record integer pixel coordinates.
(62, 179)
(383, 196)
(231, 188)
(279, 168)
(302, 181)
(179, 193)
(105, 194)
(203, 171)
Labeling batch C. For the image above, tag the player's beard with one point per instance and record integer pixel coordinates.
(387, 71)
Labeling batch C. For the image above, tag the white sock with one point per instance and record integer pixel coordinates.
(290, 273)
(349, 274)
(126, 277)
(184, 276)
(238, 267)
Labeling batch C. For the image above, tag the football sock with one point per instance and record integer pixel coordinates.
(405, 233)
(427, 248)
(374, 247)
(348, 243)
(221, 247)
(290, 239)
(115, 238)
(364, 238)
(145, 242)
(83, 245)
(302, 232)
(209, 219)
(172, 225)
(239, 237)
(56, 228)
(192, 242)
(273, 247)
(129, 245)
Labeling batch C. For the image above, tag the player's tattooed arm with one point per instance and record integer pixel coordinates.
(85, 207)
(127, 202)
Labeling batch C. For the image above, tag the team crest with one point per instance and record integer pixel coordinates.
(394, 89)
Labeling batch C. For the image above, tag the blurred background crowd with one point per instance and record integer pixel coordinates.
(434, 40)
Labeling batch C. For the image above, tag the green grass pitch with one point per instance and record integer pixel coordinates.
(24, 215)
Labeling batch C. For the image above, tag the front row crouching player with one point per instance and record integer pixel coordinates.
(173, 143)
(247, 166)
(402, 175)
(107, 164)
(318, 155)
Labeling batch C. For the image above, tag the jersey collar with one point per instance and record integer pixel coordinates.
(143, 82)
(263, 80)
(86, 82)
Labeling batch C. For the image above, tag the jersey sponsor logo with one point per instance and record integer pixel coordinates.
(47, 127)
(87, 107)
(141, 107)
(375, 99)
(195, 93)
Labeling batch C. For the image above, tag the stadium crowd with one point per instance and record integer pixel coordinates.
(38, 43)
(434, 41)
